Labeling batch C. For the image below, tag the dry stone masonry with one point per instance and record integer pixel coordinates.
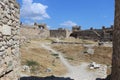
(60, 33)
(104, 34)
(36, 31)
(9, 40)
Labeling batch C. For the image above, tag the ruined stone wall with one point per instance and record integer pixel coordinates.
(9, 40)
(59, 33)
(87, 34)
(94, 34)
(31, 32)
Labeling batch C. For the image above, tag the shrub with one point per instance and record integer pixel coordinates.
(56, 55)
(32, 63)
(69, 58)
(34, 66)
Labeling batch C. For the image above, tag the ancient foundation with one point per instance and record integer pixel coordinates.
(9, 40)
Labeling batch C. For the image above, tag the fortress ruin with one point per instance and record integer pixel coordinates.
(41, 31)
(104, 34)
(10, 32)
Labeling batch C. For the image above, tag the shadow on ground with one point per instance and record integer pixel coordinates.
(44, 78)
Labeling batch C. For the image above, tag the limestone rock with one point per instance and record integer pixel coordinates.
(6, 30)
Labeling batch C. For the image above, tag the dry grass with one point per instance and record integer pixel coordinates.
(33, 51)
(75, 55)
(101, 55)
(71, 52)
(71, 39)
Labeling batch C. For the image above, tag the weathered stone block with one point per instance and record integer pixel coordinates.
(5, 29)
(1, 53)
(2, 48)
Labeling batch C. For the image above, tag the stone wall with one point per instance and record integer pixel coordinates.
(9, 40)
(85, 34)
(76, 28)
(104, 34)
(29, 32)
(59, 33)
(33, 32)
(88, 34)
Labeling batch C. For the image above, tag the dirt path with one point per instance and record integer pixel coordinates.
(79, 72)
(63, 60)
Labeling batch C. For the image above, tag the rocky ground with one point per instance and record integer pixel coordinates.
(76, 53)
(80, 53)
(68, 60)
(45, 63)
(78, 72)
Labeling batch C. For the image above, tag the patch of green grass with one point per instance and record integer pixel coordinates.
(49, 39)
(32, 63)
(34, 66)
(56, 55)
(69, 58)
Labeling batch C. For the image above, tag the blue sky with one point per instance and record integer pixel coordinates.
(66, 13)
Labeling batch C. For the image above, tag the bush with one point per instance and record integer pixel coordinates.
(69, 58)
(32, 63)
(34, 66)
(56, 55)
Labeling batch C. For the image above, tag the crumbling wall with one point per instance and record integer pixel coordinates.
(91, 34)
(87, 34)
(9, 40)
(31, 32)
(76, 28)
(59, 33)
(94, 34)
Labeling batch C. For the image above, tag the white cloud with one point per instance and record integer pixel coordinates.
(68, 24)
(28, 22)
(48, 26)
(33, 11)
